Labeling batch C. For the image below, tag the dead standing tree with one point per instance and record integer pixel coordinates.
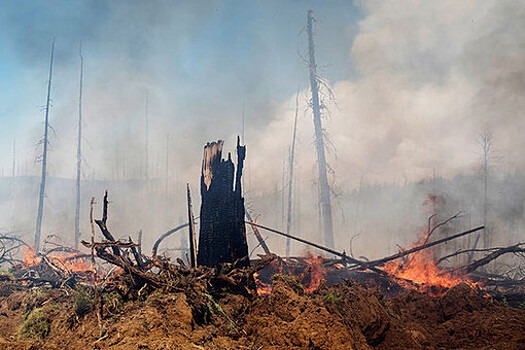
(222, 236)
(486, 144)
(324, 187)
(79, 152)
(290, 179)
(42, 194)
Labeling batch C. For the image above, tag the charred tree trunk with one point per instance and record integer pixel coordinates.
(222, 235)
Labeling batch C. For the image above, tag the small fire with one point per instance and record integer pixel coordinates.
(314, 272)
(310, 277)
(30, 258)
(422, 270)
(262, 288)
(66, 261)
(70, 262)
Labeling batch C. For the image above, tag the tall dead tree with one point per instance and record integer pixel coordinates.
(486, 144)
(324, 187)
(290, 179)
(486, 147)
(222, 236)
(42, 193)
(79, 152)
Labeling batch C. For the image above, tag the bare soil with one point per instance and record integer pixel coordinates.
(347, 315)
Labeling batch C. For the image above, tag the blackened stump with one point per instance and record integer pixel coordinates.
(222, 236)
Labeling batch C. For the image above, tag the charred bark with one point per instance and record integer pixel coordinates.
(222, 236)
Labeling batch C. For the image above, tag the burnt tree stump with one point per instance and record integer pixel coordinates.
(222, 235)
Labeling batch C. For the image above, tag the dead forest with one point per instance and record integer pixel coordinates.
(219, 298)
(308, 271)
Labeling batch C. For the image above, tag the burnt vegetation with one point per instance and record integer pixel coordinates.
(452, 287)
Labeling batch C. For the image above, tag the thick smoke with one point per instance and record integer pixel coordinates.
(415, 83)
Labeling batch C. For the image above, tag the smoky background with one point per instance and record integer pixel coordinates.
(414, 85)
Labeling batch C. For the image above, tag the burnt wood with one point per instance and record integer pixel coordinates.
(222, 232)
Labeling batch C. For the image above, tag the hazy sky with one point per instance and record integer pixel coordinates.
(415, 82)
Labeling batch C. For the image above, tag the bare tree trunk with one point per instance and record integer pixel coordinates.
(40, 212)
(324, 187)
(79, 153)
(290, 180)
(486, 143)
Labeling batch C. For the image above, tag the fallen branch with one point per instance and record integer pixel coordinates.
(465, 251)
(381, 261)
(106, 244)
(258, 235)
(517, 248)
(346, 258)
(164, 236)
(443, 223)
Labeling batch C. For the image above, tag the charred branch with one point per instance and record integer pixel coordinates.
(422, 247)
(516, 249)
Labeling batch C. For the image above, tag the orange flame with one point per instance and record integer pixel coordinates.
(421, 269)
(30, 258)
(314, 272)
(63, 260)
(310, 277)
(69, 262)
(262, 288)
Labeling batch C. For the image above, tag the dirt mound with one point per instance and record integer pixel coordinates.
(461, 319)
(347, 315)
(357, 305)
(288, 318)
